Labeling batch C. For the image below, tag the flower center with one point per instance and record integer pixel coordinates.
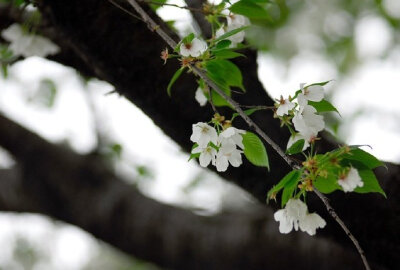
(188, 46)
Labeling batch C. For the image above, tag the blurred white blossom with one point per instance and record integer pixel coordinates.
(26, 44)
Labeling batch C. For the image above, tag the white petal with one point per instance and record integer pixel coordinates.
(205, 159)
(235, 159)
(296, 209)
(228, 132)
(200, 97)
(221, 162)
(285, 224)
(315, 93)
(184, 51)
(198, 47)
(237, 21)
(219, 32)
(311, 222)
(302, 100)
(297, 137)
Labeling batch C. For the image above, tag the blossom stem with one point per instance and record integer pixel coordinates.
(200, 72)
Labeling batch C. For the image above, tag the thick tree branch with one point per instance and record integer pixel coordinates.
(127, 55)
(80, 190)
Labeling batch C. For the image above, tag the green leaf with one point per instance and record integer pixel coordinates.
(363, 157)
(173, 79)
(254, 150)
(196, 155)
(288, 190)
(249, 9)
(297, 147)
(328, 184)
(226, 54)
(218, 100)
(225, 71)
(231, 33)
(4, 70)
(295, 174)
(223, 44)
(371, 184)
(323, 106)
(319, 83)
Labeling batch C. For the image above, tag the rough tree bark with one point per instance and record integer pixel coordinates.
(100, 40)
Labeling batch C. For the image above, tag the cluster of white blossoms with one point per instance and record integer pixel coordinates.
(234, 21)
(194, 48)
(306, 121)
(350, 181)
(295, 215)
(26, 44)
(218, 149)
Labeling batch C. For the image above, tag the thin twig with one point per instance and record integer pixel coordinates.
(199, 72)
(171, 5)
(258, 107)
(125, 10)
(211, 100)
(333, 213)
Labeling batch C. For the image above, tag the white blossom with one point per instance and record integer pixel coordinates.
(26, 44)
(351, 181)
(203, 134)
(200, 97)
(307, 122)
(312, 93)
(233, 22)
(195, 48)
(207, 155)
(289, 217)
(233, 136)
(295, 215)
(311, 222)
(228, 153)
(284, 106)
(296, 138)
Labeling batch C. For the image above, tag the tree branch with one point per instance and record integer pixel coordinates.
(82, 191)
(129, 58)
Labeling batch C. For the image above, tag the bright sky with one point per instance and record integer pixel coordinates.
(373, 88)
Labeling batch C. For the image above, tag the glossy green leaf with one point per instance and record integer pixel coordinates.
(363, 157)
(295, 174)
(371, 184)
(288, 190)
(173, 79)
(328, 184)
(249, 9)
(225, 71)
(254, 150)
(297, 147)
(223, 44)
(323, 106)
(226, 54)
(231, 33)
(196, 155)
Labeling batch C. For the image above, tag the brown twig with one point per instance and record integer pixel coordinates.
(199, 72)
(171, 5)
(333, 213)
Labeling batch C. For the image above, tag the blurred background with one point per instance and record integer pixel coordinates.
(354, 43)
